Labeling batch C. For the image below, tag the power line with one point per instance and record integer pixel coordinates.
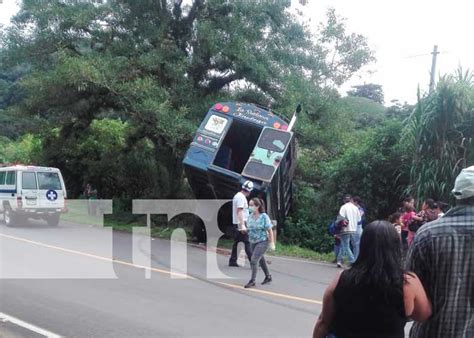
(426, 54)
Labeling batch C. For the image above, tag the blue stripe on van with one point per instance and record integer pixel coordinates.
(7, 191)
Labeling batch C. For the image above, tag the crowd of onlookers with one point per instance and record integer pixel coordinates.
(350, 222)
(417, 266)
(407, 220)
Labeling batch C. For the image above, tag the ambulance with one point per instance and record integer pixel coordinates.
(31, 192)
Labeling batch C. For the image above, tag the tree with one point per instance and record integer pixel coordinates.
(160, 65)
(370, 91)
(439, 137)
(399, 111)
(13, 125)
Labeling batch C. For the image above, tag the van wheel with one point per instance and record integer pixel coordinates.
(9, 217)
(53, 220)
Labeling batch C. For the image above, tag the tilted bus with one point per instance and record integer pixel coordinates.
(237, 142)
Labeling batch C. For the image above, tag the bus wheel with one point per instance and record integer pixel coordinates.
(199, 231)
(224, 220)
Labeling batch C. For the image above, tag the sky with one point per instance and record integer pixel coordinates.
(402, 34)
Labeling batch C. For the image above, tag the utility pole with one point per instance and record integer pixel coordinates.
(433, 68)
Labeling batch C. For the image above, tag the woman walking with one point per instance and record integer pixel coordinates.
(260, 233)
(375, 297)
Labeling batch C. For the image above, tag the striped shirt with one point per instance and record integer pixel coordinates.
(442, 255)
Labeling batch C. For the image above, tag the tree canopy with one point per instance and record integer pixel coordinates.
(159, 65)
(370, 91)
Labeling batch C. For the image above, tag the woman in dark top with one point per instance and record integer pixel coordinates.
(375, 297)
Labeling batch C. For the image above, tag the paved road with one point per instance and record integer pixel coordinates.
(83, 281)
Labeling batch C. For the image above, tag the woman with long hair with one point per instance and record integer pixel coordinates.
(260, 232)
(375, 297)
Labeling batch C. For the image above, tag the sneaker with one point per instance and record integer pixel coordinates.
(339, 264)
(267, 280)
(249, 284)
(234, 264)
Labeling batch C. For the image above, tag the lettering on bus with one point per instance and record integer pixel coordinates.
(251, 115)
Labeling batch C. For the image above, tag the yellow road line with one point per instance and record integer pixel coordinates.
(233, 286)
(107, 259)
(274, 294)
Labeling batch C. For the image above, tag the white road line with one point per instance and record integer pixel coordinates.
(6, 318)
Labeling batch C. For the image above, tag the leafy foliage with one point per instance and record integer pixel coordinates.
(158, 66)
(439, 136)
(25, 150)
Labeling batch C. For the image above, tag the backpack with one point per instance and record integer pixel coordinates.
(336, 226)
(333, 228)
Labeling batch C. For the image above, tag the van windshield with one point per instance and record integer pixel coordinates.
(49, 181)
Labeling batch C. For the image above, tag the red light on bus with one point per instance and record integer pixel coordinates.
(284, 127)
(225, 109)
(276, 125)
(218, 106)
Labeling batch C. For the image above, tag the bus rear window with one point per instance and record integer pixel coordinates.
(49, 181)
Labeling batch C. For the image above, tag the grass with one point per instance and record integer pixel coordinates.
(77, 213)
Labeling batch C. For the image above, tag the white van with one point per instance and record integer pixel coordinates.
(31, 192)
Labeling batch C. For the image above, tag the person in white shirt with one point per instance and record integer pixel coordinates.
(351, 213)
(240, 214)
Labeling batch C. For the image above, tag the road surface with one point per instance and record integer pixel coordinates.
(83, 281)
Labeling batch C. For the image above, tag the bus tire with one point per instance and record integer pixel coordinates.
(199, 231)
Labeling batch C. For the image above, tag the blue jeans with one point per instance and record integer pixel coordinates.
(337, 249)
(345, 248)
(355, 243)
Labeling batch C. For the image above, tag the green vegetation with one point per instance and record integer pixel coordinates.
(111, 93)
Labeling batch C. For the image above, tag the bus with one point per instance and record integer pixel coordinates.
(237, 142)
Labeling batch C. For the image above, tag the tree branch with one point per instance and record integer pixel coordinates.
(217, 83)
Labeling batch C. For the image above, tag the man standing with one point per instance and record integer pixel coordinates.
(355, 241)
(351, 213)
(240, 214)
(442, 255)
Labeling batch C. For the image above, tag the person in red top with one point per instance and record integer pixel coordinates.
(409, 216)
(406, 205)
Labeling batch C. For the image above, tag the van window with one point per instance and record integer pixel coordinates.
(11, 178)
(48, 181)
(29, 181)
(3, 174)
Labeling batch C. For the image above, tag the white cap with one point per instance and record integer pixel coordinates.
(464, 184)
(248, 186)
